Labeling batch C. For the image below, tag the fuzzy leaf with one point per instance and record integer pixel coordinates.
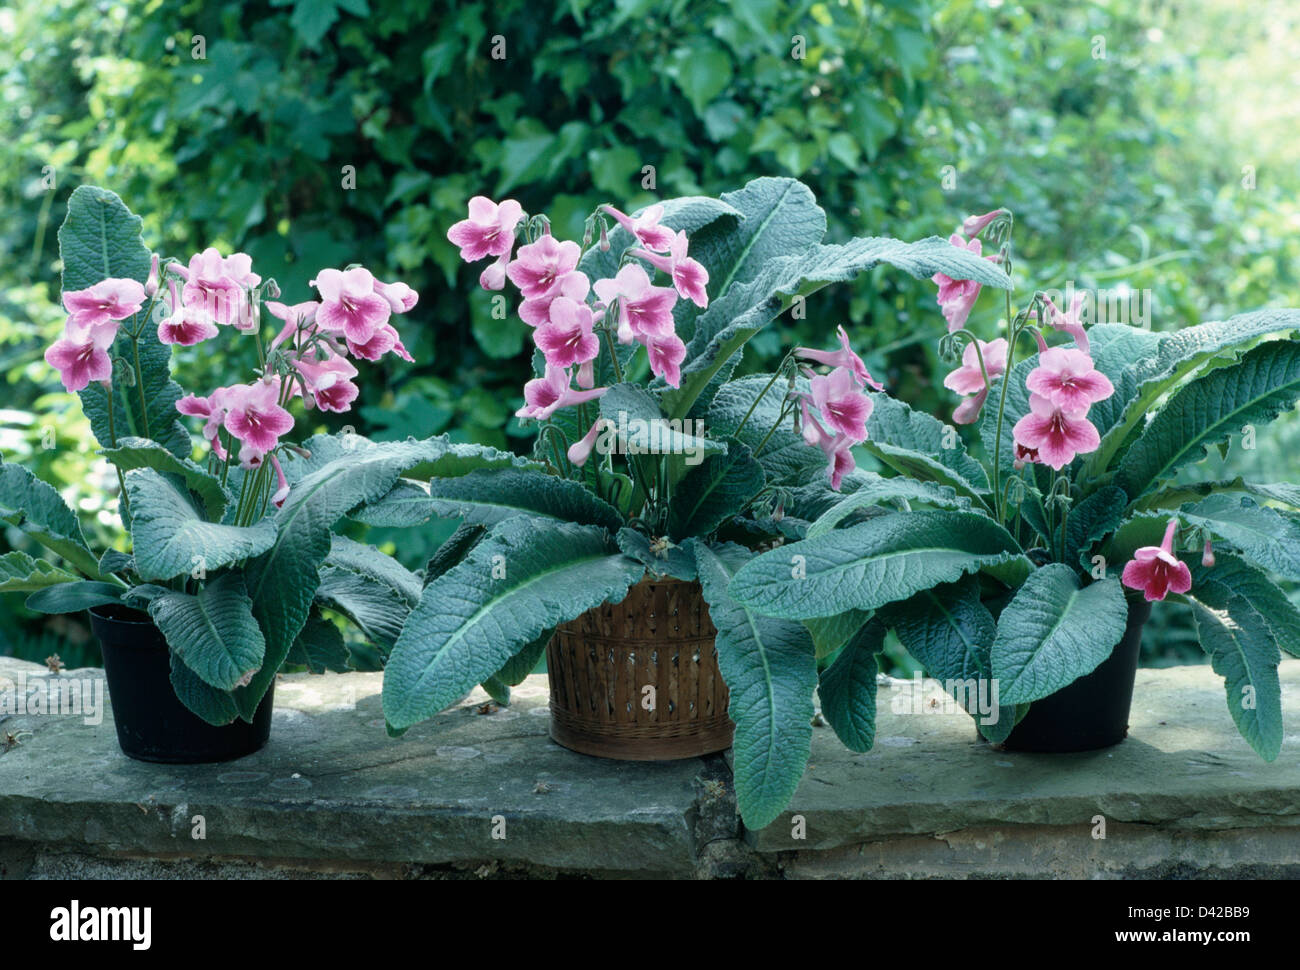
(213, 631)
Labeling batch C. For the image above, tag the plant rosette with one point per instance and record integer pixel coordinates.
(1012, 580)
(651, 458)
(232, 554)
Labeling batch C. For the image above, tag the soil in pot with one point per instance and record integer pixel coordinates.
(1093, 711)
(639, 680)
(152, 723)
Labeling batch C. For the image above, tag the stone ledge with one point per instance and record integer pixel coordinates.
(332, 795)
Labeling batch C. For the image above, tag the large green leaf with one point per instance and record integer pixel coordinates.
(320, 646)
(213, 631)
(36, 508)
(866, 566)
(74, 597)
(363, 560)
(133, 453)
(662, 559)
(771, 672)
(847, 688)
(453, 550)
(170, 537)
(713, 491)
(1092, 519)
(376, 608)
(283, 580)
(1265, 536)
(1219, 404)
(20, 573)
(900, 437)
(1231, 581)
(1182, 493)
(1242, 651)
(876, 490)
(1053, 632)
(830, 633)
(100, 238)
(489, 496)
(217, 707)
(950, 633)
(522, 579)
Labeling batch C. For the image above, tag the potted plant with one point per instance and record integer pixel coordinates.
(232, 556)
(1022, 583)
(652, 482)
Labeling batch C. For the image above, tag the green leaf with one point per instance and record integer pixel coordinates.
(1265, 536)
(830, 633)
(866, 566)
(133, 453)
(712, 492)
(74, 597)
(786, 458)
(491, 496)
(668, 559)
(523, 663)
(99, 239)
(1211, 409)
(376, 608)
(320, 646)
(283, 580)
(367, 561)
(771, 672)
(213, 631)
(702, 70)
(1053, 632)
(217, 707)
(1092, 519)
(522, 579)
(36, 509)
(874, 490)
(453, 550)
(847, 689)
(641, 429)
(914, 443)
(1232, 581)
(1182, 493)
(950, 633)
(20, 573)
(1242, 652)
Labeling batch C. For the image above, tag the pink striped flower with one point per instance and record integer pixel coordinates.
(580, 450)
(837, 448)
(185, 325)
(329, 383)
(255, 418)
(489, 230)
(543, 396)
(644, 311)
(211, 288)
(842, 405)
(1069, 320)
(537, 311)
(844, 357)
(968, 379)
(1156, 571)
(566, 338)
(645, 227)
(213, 411)
(82, 355)
(957, 297)
(1057, 435)
(350, 305)
(538, 267)
(299, 320)
(1068, 378)
(688, 276)
(666, 356)
(401, 298)
(107, 301)
(974, 225)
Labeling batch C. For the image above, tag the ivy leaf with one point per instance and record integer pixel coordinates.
(213, 631)
(771, 672)
(1053, 632)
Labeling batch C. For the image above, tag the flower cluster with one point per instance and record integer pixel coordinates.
(309, 358)
(957, 297)
(841, 400)
(567, 310)
(1062, 388)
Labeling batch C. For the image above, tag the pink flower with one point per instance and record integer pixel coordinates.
(400, 297)
(489, 230)
(666, 355)
(494, 277)
(546, 395)
(580, 451)
(298, 319)
(239, 267)
(1156, 570)
(210, 287)
(108, 300)
(1069, 320)
(538, 267)
(566, 338)
(350, 305)
(1207, 554)
(384, 340)
(957, 297)
(841, 404)
(837, 448)
(154, 278)
(646, 228)
(282, 484)
(81, 356)
(537, 311)
(329, 382)
(1068, 379)
(1058, 435)
(689, 276)
(974, 225)
(255, 417)
(186, 326)
(644, 311)
(844, 357)
(213, 410)
(968, 379)
(1024, 456)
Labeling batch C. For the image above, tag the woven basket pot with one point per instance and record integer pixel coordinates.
(601, 664)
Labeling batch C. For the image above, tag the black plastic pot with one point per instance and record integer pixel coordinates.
(1093, 711)
(152, 723)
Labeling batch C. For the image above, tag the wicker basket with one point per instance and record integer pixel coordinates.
(600, 665)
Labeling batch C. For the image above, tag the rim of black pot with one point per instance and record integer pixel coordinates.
(131, 614)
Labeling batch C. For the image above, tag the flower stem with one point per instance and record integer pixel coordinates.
(779, 371)
(112, 443)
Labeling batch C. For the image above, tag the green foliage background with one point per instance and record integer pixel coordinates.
(1141, 144)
